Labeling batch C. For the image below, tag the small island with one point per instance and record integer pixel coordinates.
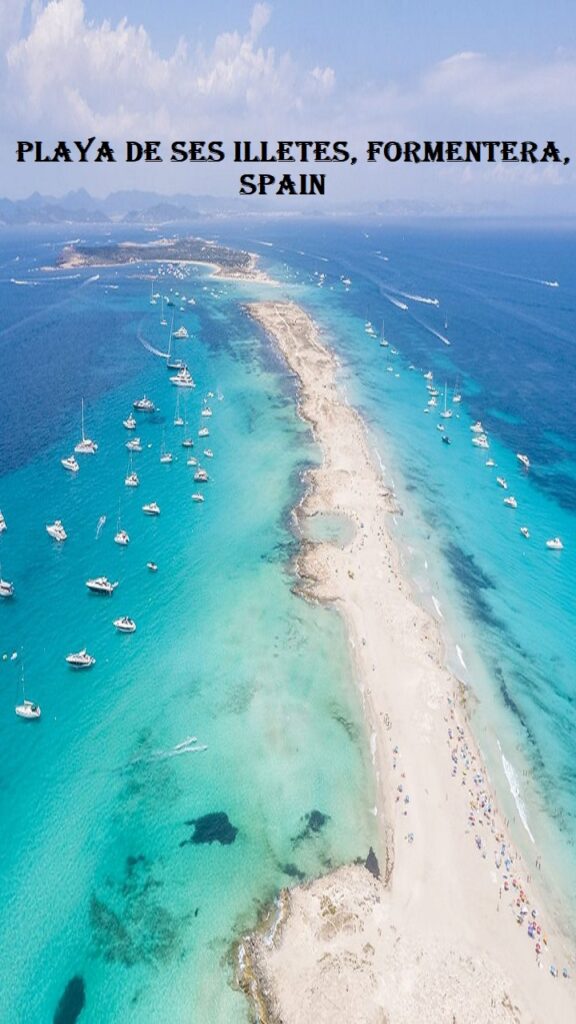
(227, 262)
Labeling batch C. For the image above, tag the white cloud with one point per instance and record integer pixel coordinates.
(68, 73)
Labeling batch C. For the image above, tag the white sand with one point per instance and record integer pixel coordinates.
(441, 937)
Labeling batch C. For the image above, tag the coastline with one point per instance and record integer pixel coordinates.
(450, 920)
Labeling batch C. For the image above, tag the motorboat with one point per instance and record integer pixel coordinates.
(121, 537)
(511, 502)
(554, 544)
(429, 375)
(445, 439)
(203, 432)
(523, 459)
(197, 497)
(151, 509)
(70, 463)
(6, 588)
(201, 475)
(439, 426)
(129, 422)
(56, 530)
(101, 585)
(501, 482)
(480, 441)
(85, 446)
(144, 404)
(525, 531)
(152, 566)
(477, 428)
(28, 709)
(81, 659)
(134, 444)
(2, 523)
(125, 624)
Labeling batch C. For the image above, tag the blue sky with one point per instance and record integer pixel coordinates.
(231, 69)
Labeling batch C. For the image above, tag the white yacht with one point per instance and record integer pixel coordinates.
(555, 544)
(477, 428)
(182, 379)
(70, 463)
(480, 441)
(28, 709)
(134, 444)
(6, 588)
(197, 497)
(151, 509)
(201, 475)
(203, 432)
(180, 333)
(208, 453)
(511, 502)
(81, 659)
(144, 404)
(2, 523)
(125, 624)
(523, 459)
(101, 585)
(56, 530)
(122, 538)
(129, 422)
(501, 482)
(85, 446)
(525, 532)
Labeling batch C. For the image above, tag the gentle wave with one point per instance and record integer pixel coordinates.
(514, 785)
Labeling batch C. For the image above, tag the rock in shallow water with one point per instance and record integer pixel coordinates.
(211, 828)
(71, 1002)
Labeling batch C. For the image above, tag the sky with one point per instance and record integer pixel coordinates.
(290, 70)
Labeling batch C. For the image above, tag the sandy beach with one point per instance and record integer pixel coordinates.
(453, 928)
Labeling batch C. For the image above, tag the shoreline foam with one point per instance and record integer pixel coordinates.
(458, 901)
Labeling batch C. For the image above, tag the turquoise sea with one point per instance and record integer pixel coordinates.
(218, 752)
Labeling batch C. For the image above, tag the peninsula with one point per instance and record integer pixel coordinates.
(442, 923)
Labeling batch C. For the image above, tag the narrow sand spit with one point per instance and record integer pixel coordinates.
(450, 930)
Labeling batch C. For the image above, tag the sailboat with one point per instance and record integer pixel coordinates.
(131, 479)
(165, 457)
(383, 341)
(27, 709)
(446, 413)
(152, 295)
(178, 421)
(85, 446)
(171, 363)
(163, 320)
(121, 537)
(187, 441)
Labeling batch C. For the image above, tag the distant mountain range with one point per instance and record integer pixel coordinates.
(130, 207)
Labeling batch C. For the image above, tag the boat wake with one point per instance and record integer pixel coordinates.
(395, 302)
(515, 790)
(31, 284)
(188, 746)
(421, 298)
(150, 348)
(99, 526)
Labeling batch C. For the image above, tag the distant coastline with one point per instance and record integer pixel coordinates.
(443, 930)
